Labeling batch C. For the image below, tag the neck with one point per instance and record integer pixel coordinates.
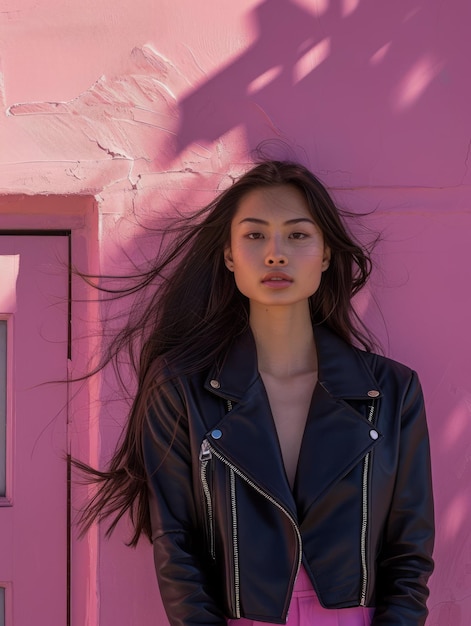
(284, 339)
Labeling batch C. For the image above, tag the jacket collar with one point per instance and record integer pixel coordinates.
(336, 436)
(343, 371)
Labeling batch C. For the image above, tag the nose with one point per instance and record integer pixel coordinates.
(276, 260)
(275, 255)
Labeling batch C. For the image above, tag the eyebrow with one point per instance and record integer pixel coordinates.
(296, 220)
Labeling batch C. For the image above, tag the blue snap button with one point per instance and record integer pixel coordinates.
(374, 434)
(216, 434)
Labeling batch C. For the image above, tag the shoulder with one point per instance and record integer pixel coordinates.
(380, 363)
(395, 379)
(349, 371)
(183, 384)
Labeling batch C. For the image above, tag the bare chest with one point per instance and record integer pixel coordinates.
(289, 402)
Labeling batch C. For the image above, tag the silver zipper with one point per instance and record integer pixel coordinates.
(235, 539)
(238, 472)
(235, 544)
(364, 521)
(205, 456)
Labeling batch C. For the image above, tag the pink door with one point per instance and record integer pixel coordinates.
(33, 430)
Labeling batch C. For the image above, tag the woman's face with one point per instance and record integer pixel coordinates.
(276, 250)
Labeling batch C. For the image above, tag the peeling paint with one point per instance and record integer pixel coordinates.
(132, 117)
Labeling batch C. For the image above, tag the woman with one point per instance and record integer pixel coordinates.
(272, 463)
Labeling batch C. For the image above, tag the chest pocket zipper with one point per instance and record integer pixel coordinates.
(365, 520)
(205, 457)
(205, 469)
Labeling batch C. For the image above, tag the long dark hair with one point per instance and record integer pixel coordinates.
(195, 311)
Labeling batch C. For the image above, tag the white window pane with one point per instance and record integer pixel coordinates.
(3, 408)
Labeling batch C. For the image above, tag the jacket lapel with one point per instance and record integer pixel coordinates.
(248, 437)
(250, 442)
(336, 438)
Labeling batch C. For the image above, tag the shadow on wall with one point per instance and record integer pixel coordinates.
(363, 86)
(337, 76)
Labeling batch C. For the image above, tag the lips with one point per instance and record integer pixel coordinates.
(276, 278)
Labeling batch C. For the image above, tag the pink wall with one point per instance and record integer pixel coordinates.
(148, 103)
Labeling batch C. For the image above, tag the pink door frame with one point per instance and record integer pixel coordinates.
(76, 214)
(33, 518)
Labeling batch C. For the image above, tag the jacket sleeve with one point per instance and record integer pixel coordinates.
(182, 571)
(405, 561)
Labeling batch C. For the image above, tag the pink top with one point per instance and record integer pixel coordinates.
(306, 610)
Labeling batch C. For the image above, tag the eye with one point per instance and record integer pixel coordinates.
(299, 236)
(254, 236)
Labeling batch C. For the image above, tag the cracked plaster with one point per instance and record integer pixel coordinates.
(117, 136)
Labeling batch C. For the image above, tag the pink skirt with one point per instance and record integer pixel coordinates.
(306, 610)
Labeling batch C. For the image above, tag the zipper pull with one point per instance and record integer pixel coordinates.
(205, 452)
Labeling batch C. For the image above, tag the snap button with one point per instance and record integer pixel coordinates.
(215, 384)
(216, 434)
(374, 434)
(373, 393)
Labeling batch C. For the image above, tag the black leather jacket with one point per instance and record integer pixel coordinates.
(229, 535)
